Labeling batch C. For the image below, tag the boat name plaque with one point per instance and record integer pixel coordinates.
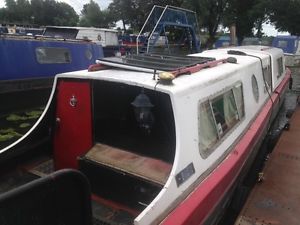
(185, 174)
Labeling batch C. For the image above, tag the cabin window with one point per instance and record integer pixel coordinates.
(282, 44)
(239, 99)
(49, 55)
(207, 129)
(88, 54)
(267, 77)
(218, 116)
(280, 67)
(255, 90)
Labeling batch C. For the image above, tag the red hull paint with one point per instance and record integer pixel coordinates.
(73, 135)
(200, 204)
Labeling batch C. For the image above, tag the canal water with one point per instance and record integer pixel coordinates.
(15, 124)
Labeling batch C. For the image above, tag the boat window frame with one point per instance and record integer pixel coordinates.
(255, 89)
(280, 66)
(267, 73)
(65, 54)
(237, 86)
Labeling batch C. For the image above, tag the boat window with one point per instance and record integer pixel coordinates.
(218, 116)
(282, 44)
(280, 67)
(239, 99)
(225, 112)
(267, 77)
(255, 90)
(88, 54)
(49, 55)
(207, 128)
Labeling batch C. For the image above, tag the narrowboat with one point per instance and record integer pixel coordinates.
(107, 38)
(161, 139)
(29, 63)
(223, 41)
(291, 48)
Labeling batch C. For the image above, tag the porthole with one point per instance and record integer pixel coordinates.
(88, 54)
(255, 88)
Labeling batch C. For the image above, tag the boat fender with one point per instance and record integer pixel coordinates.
(289, 113)
(287, 126)
(291, 83)
(272, 138)
(260, 177)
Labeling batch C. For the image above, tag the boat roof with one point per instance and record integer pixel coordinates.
(143, 75)
(83, 28)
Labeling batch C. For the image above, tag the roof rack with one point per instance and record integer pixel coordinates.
(166, 66)
(154, 62)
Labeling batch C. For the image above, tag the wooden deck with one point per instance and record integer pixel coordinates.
(276, 200)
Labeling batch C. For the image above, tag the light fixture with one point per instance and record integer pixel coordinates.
(142, 110)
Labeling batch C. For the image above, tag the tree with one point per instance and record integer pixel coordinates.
(245, 15)
(285, 15)
(210, 15)
(135, 12)
(65, 15)
(93, 16)
(40, 12)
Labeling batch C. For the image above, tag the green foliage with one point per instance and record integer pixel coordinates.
(39, 12)
(93, 16)
(246, 15)
(210, 15)
(285, 15)
(135, 12)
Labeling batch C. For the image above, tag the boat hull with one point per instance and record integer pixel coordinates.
(209, 199)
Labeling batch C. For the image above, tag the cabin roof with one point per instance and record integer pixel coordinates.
(182, 83)
(83, 28)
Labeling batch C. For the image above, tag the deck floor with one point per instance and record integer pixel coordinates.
(276, 200)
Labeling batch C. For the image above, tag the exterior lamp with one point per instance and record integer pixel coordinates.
(142, 110)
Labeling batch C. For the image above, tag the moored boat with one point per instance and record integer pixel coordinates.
(29, 64)
(164, 139)
(291, 48)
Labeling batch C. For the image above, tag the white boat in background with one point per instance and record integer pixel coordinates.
(107, 38)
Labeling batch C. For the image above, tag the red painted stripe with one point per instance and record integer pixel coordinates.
(196, 208)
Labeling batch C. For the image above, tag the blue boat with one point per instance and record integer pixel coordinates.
(29, 64)
(291, 48)
(287, 43)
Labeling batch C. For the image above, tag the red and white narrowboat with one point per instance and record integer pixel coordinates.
(164, 139)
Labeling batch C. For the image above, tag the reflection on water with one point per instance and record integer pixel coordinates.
(16, 124)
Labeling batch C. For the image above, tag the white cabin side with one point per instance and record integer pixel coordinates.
(206, 85)
(105, 37)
